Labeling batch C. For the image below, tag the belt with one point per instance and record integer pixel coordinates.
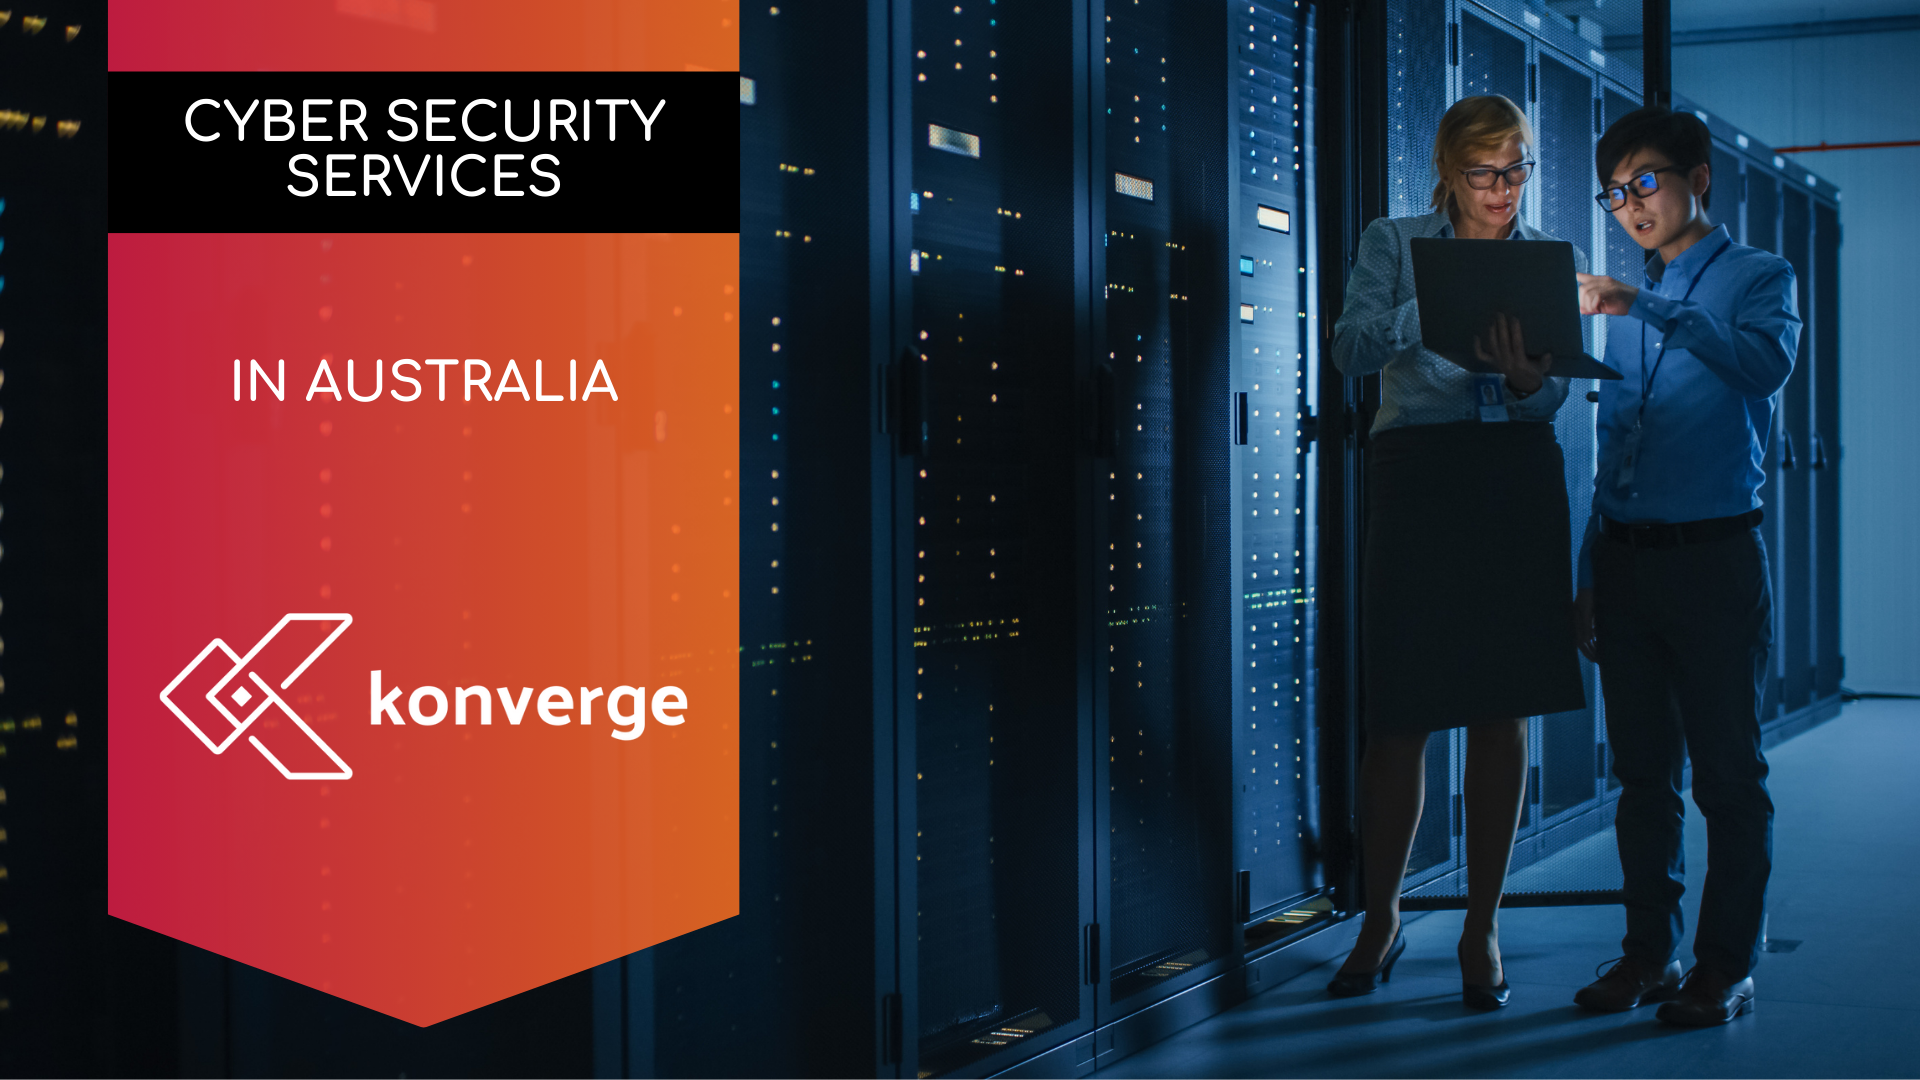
(1673, 534)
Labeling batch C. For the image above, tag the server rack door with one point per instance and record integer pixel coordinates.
(998, 333)
(1624, 260)
(1419, 89)
(1493, 60)
(1428, 55)
(1794, 602)
(1563, 122)
(1729, 193)
(1763, 231)
(1763, 210)
(1485, 50)
(1489, 57)
(1161, 651)
(1826, 462)
(1274, 463)
(771, 991)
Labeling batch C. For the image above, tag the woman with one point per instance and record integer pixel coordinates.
(1465, 575)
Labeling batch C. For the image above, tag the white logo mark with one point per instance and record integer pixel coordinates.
(240, 695)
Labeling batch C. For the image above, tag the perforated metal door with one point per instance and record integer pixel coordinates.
(1538, 61)
(1565, 779)
(1274, 558)
(1762, 215)
(1795, 645)
(1161, 647)
(1826, 428)
(997, 546)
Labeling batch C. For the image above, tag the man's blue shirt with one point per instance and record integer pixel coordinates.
(1729, 348)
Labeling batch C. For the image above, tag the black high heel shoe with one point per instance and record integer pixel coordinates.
(1485, 997)
(1366, 982)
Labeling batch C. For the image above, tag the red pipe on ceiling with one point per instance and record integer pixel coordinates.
(1843, 146)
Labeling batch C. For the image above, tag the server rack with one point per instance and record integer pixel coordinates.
(1068, 418)
(997, 254)
(803, 978)
(1570, 89)
(1770, 201)
(1274, 218)
(72, 996)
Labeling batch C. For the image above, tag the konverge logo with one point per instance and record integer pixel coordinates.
(292, 653)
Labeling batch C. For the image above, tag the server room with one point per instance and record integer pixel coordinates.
(1055, 669)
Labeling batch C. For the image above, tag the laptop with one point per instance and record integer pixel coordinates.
(1462, 284)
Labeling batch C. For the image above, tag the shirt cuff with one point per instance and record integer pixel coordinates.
(1656, 311)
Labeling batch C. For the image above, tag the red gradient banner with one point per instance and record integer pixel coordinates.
(574, 528)
(426, 35)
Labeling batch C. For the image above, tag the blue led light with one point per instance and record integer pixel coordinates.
(776, 384)
(776, 410)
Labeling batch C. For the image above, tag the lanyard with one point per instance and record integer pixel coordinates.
(1646, 379)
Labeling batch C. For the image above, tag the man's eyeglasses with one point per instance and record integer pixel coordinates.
(1482, 179)
(1643, 185)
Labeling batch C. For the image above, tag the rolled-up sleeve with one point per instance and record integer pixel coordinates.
(1542, 404)
(1753, 354)
(1374, 331)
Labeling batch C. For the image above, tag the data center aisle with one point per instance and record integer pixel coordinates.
(1843, 1002)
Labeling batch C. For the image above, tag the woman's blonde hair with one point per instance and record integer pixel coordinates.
(1473, 127)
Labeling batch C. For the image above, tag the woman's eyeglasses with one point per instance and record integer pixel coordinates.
(1642, 186)
(1482, 179)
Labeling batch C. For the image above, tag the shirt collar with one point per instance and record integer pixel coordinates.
(1440, 224)
(1690, 260)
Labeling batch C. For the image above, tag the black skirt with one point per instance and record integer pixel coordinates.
(1466, 577)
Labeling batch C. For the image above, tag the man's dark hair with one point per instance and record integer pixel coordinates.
(1680, 136)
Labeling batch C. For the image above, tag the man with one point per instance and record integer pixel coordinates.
(1675, 601)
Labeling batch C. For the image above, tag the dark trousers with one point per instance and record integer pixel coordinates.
(1683, 637)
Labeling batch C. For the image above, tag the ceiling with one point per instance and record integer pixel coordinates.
(1621, 18)
(1720, 14)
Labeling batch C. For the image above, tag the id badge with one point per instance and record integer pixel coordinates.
(1488, 398)
(1623, 476)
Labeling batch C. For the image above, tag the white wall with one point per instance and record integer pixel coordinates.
(1847, 89)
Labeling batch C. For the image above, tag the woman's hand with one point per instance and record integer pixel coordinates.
(1505, 349)
(1601, 295)
(1583, 635)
